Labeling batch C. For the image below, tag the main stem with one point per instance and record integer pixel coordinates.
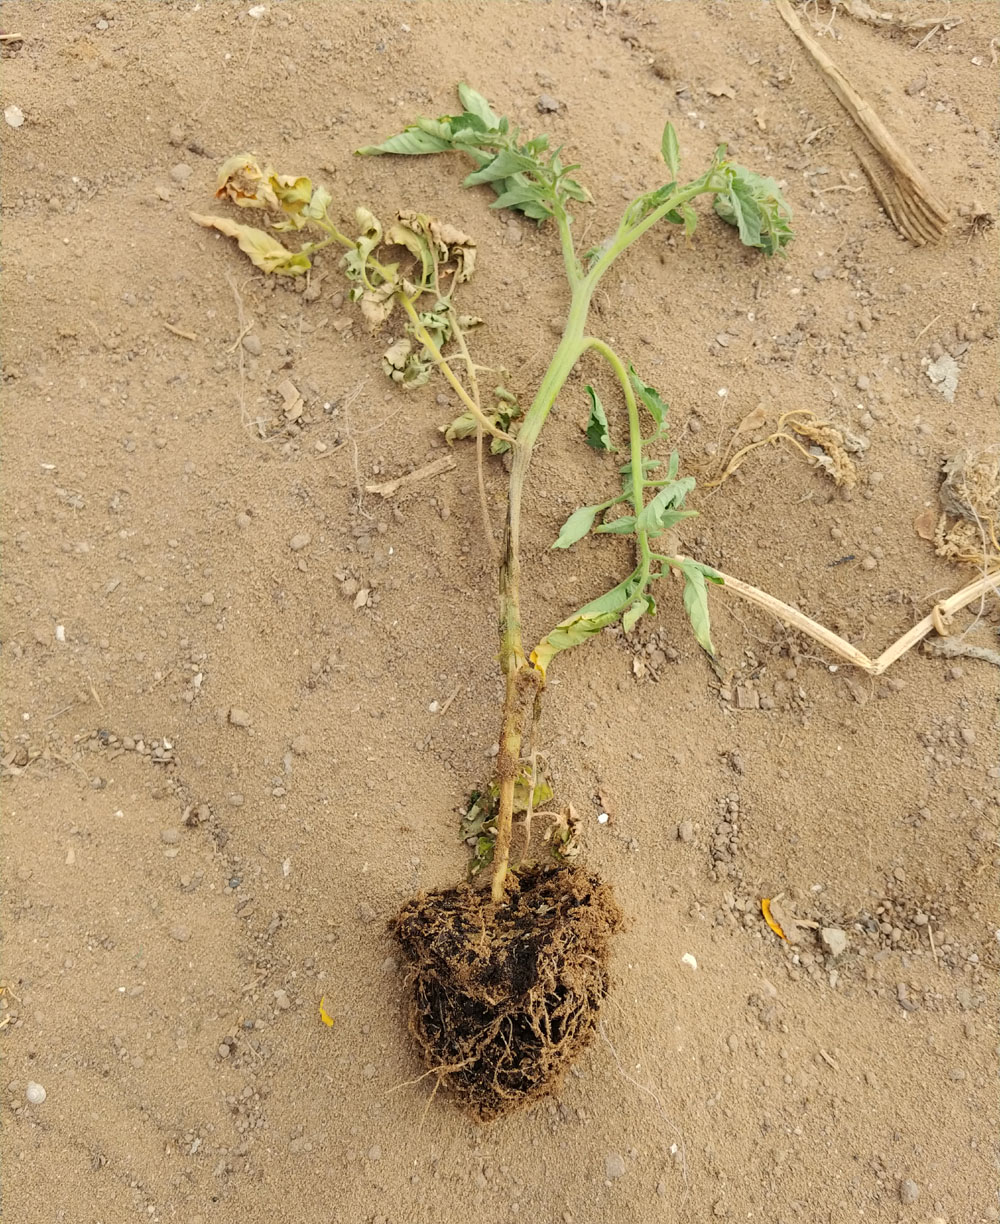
(513, 662)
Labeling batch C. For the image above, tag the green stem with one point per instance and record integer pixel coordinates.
(573, 344)
(635, 441)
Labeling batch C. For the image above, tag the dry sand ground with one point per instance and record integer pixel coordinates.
(180, 891)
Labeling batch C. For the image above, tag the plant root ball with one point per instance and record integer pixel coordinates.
(506, 997)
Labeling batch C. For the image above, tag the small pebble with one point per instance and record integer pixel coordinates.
(34, 1093)
(822, 274)
(224, 1050)
(614, 1166)
(14, 116)
(685, 831)
(547, 105)
(208, 598)
(282, 1000)
(180, 932)
(170, 837)
(238, 717)
(301, 539)
(252, 344)
(909, 1191)
(181, 172)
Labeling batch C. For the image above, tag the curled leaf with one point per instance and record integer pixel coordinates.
(590, 619)
(294, 195)
(263, 251)
(404, 366)
(755, 206)
(324, 1015)
(650, 397)
(597, 423)
(241, 180)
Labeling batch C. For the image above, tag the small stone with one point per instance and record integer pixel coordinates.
(822, 274)
(170, 837)
(547, 105)
(238, 717)
(374, 1152)
(243, 519)
(685, 831)
(208, 598)
(177, 135)
(300, 745)
(863, 382)
(252, 344)
(34, 1093)
(180, 932)
(909, 1191)
(833, 940)
(281, 1000)
(301, 539)
(916, 85)
(968, 736)
(224, 1050)
(869, 563)
(181, 172)
(614, 1166)
(14, 116)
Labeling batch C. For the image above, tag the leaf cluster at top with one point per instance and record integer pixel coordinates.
(523, 179)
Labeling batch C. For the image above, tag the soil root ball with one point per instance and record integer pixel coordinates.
(506, 997)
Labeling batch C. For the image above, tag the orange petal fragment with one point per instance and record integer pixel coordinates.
(765, 909)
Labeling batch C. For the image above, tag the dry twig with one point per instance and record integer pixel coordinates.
(910, 202)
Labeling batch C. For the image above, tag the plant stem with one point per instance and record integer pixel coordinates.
(425, 338)
(573, 344)
(635, 442)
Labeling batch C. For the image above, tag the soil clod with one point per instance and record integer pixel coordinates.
(506, 997)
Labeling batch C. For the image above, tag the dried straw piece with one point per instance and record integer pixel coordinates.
(910, 201)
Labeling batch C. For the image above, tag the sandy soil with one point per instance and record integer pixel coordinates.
(181, 885)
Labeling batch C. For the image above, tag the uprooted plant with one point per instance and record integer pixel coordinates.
(507, 983)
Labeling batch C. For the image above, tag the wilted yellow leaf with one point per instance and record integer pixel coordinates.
(265, 252)
(324, 1015)
(242, 181)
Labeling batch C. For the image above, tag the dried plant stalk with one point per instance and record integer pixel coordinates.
(910, 201)
(937, 619)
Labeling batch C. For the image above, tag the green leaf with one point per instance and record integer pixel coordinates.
(590, 619)
(664, 510)
(690, 219)
(477, 105)
(670, 149)
(755, 205)
(576, 526)
(519, 194)
(506, 163)
(651, 398)
(632, 614)
(696, 604)
(412, 141)
(597, 423)
(619, 526)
